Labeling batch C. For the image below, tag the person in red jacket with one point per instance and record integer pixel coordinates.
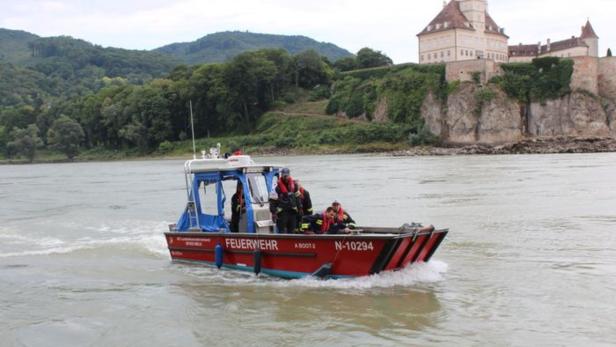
(324, 223)
(289, 203)
(342, 216)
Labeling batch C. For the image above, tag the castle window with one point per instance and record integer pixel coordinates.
(449, 53)
(446, 24)
(442, 54)
(438, 26)
(429, 27)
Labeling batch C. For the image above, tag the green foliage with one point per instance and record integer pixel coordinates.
(24, 142)
(305, 131)
(423, 137)
(14, 45)
(310, 70)
(483, 95)
(346, 64)
(227, 98)
(223, 46)
(403, 87)
(165, 147)
(66, 135)
(543, 79)
(369, 58)
(476, 76)
(320, 92)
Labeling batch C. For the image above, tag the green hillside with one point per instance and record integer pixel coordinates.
(35, 70)
(220, 47)
(14, 45)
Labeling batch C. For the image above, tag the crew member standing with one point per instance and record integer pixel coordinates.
(238, 208)
(289, 204)
(306, 202)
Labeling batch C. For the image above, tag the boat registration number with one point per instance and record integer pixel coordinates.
(356, 246)
(305, 245)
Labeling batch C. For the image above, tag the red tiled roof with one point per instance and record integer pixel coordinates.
(523, 50)
(452, 15)
(563, 45)
(533, 50)
(588, 32)
(455, 19)
(492, 27)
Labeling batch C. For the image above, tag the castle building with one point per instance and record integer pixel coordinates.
(463, 30)
(586, 45)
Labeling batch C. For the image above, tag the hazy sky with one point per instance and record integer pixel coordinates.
(387, 25)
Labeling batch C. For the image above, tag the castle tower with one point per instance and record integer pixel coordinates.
(475, 11)
(590, 38)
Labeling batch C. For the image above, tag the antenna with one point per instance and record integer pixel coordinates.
(192, 128)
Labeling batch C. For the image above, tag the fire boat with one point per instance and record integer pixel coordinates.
(203, 235)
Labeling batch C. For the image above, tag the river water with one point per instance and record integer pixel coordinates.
(530, 259)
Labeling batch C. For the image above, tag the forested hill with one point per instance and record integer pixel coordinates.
(220, 47)
(14, 45)
(33, 68)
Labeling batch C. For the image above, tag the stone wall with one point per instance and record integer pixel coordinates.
(607, 77)
(463, 70)
(585, 74)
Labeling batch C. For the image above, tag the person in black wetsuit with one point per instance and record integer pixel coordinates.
(306, 202)
(238, 208)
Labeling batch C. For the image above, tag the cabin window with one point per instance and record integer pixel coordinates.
(258, 188)
(208, 198)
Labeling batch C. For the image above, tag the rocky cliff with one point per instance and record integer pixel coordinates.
(476, 114)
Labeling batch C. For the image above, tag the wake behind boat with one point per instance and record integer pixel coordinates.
(203, 233)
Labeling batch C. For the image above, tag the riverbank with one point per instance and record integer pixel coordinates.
(558, 145)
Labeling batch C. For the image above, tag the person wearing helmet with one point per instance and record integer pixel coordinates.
(289, 205)
(342, 216)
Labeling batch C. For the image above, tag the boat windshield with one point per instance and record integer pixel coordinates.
(258, 188)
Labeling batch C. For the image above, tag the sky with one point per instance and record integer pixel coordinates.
(386, 25)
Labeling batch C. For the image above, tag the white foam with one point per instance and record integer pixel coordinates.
(411, 276)
(417, 273)
(142, 235)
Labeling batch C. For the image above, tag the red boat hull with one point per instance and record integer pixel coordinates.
(296, 256)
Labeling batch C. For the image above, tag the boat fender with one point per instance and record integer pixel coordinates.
(257, 261)
(218, 255)
(324, 271)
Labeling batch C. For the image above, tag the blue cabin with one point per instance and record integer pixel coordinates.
(210, 184)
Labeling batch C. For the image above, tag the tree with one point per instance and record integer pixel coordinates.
(367, 58)
(25, 142)
(66, 135)
(346, 64)
(310, 70)
(609, 52)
